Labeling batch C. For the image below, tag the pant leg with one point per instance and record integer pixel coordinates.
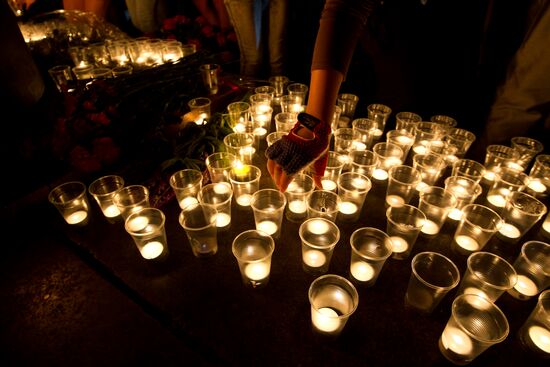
(278, 20)
(241, 14)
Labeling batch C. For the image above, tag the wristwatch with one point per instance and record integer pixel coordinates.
(308, 121)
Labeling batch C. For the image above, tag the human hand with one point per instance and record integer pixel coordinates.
(295, 151)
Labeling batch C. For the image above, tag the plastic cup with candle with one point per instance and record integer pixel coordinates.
(527, 148)
(219, 166)
(146, 226)
(253, 250)
(323, 204)
(402, 183)
(336, 118)
(370, 248)
(533, 270)
(285, 121)
(403, 226)
(200, 108)
(219, 196)
(200, 224)
(239, 113)
(487, 275)
(261, 119)
(431, 167)
(265, 89)
(506, 181)
(210, 77)
(261, 100)
(297, 193)
(186, 184)
(245, 180)
(403, 138)
(130, 199)
(103, 189)
(465, 191)
(445, 150)
(433, 276)
(446, 121)
(389, 155)
(424, 133)
(353, 188)
(475, 325)
(436, 203)
(363, 162)
(268, 206)
(468, 168)
(290, 103)
(72, 203)
(367, 129)
(539, 176)
(379, 113)
(478, 224)
(520, 214)
(241, 145)
(279, 83)
(460, 138)
(319, 238)
(298, 89)
(347, 103)
(535, 331)
(496, 157)
(407, 121)
(345, 140)
(62, 77)
(333, 300)
(335, 165)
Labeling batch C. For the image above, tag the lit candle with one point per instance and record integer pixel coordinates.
(314, 258)
(540, 337)
(526, 286)
(391, 161)
(420, 149)
(467, 243)
(497, 200)
(546, 226)
(247, 151)
(360, 183)
(403, 140)
(244, 199)
(318, 227)
(380, 174)
(111, 211)
(377, 132)
(537, 186)
(422, 186)
(477, 292)
(325, 319)
(455, 214)
(256, 271)
(459, 191)
(297, 206)
(222, 220)
(267, 226)
(239, 128)
(260, 131)
(348, 208)
(357, 145)
(457, 341)
(430, 227)
(395, 200)
(362, 271)
(328, 185)
(152, 250)
(221, 189)
(240, 169)
(515, 166)
(510, 231)
(189, 200)
(489, 175)
(399, 245)
(138, 223)
(76, 217)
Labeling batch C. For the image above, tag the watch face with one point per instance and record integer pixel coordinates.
(307, 120)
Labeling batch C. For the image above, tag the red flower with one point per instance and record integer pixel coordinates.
(231, 36)
(181, 19)
(220, 39)
(207, 31)
(100, 118)
(201, 20)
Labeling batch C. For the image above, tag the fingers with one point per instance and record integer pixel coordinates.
(280, 178)
(317, 181)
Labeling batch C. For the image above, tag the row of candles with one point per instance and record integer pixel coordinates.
(233, 175)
